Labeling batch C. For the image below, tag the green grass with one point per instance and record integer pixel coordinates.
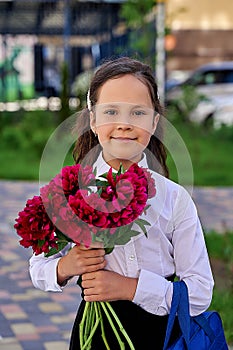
(220, 249)
(223, 303)
(210, 152)
(17, 166)
(220, 246)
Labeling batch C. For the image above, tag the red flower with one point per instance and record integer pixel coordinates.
(68, 209)
(35, 227)
(126, 195)
(151, 189)
(84, 206)
(77, 230)
(76, 177)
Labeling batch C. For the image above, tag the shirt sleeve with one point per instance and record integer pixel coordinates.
(43, 271)
(154, 292)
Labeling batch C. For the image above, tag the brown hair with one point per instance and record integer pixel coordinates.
(155, 152)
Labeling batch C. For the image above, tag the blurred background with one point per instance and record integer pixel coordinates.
(48, 53)
(50, 49)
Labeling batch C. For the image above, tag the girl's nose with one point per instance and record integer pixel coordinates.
(124, 122)
(124, 126)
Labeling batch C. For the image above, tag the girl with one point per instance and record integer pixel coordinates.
(123, 114)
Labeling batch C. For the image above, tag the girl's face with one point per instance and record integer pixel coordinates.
(124, 120)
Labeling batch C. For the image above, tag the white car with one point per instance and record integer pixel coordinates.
(214, 84)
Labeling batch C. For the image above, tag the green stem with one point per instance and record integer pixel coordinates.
(120, 326)
(102, 327)
(90, 320)
(92, 316)
(91, 334)
(82, 323)
(122, 345)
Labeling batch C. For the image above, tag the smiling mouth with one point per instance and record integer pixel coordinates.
(124, 139)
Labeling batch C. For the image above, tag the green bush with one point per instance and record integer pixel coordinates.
(30, 133)
(209, 151)
(23, 138)
(12, 137)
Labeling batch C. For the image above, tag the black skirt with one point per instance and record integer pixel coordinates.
(146, 330)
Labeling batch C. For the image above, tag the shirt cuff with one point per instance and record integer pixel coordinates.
(153, 293)
(51, 277)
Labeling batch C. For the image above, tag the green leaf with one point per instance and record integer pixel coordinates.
(61, 244)
(62, 237)
(142, 223)
(41, 242)
(51, 252)
(114, 175)
(146, 208)
(126, 238)
(121, 170)
(103, 176)
(95, 171)
(108, 250)
(100, 183)
(100, 190)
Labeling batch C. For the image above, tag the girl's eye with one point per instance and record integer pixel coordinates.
(110, 112)
(139, 113)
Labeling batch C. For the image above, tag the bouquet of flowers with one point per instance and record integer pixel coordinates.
(77, 207)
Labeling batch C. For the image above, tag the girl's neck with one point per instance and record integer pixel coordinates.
(116, 163)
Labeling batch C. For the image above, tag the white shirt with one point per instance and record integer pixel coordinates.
(175, 244)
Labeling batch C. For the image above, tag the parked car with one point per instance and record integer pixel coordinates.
(213, 84)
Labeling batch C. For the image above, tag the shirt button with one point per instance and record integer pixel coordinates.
(132, 257)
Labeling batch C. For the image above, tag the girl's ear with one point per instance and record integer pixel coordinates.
(92, 122)
(155, 122)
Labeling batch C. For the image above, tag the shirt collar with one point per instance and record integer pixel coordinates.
(102, 167)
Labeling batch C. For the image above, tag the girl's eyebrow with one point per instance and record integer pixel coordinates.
(141, 106)
(118, 104)
(106, 105)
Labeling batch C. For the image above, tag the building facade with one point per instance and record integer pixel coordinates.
(202, 32)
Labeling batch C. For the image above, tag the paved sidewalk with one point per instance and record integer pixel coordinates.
(34, 320)
(215, 207)
(29, 319)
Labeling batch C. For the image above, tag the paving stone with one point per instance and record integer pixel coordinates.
(13, 311)
(10, 344)
(56, 345)
(50, 307)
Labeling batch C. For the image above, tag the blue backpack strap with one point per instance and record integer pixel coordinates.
(179, 307)
(172, 315)
(183, 312)
(204, 324)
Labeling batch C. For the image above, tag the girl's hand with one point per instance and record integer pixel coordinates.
(104, 285)
(78, 261)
